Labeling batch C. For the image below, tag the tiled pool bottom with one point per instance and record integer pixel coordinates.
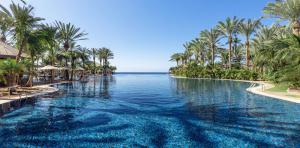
(153, 111)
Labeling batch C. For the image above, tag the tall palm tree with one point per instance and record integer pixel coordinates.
(188, 51)
(23, 22)
(51, 40)
(247, 29)
(264, 53)
(35, 46)
(176, 57)
(84, 55)
(211, 38)
(73, 56)
(94, 52)
(100, 55)
(224, 57)
(227, 29)
(107, 54)
(68, 34)
(199, 49)
(286, 10)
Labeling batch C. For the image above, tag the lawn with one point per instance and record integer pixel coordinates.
(279, 88)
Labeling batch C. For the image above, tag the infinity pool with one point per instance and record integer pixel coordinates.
(152, 110)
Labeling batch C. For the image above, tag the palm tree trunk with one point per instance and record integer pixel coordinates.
(66, 71)
(247, 53)
(213, 55)
(94, 65)
(18, 58)
(52, 72)
(72, 65)
(29, 82)
(230, 49)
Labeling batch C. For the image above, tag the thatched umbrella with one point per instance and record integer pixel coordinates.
(51, 68)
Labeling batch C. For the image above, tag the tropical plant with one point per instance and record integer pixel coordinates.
(286, 10)
(23, 23)
(286, 60)
(67, 35)
(228, 28)
(106, 55)
(211, 38)
(6, 23)
(84, 55)
(9, 68)
(94, 52)
(176, 57)
(199, 49)
(247, 29)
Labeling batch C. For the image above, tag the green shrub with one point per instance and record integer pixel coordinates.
(216, 72)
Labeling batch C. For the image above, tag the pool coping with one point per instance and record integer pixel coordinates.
(259, 90)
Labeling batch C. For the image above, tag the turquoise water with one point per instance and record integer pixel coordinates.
(152, 110)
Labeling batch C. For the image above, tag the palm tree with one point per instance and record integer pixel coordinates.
(238, 54)
(94, 52)
(6, 23)
(286, 10)
(183, 58)
(263, 35)
(188, 51)
(176, 57)
(9, 68)
(51, 40)
(211, 38)
(84, 55)
(68, 34)
(51, 44)
(35, 46)
(100, 55)
(73, 56)
(107, 54)
(247, 29)
(23, 22)
(198, 47)
(287, 58)
(224, 57)
(227, 29)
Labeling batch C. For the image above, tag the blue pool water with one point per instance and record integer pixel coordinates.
(152, 110)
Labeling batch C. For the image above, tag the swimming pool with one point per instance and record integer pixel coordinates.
(152, 110)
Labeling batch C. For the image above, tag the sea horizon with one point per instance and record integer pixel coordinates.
(141, 72)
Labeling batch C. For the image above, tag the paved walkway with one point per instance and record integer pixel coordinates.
(264, 86)
(41, 90)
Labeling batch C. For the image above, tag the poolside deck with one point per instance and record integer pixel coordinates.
(8, 103)
(264, 86)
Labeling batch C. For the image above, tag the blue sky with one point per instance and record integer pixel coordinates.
(143, 33)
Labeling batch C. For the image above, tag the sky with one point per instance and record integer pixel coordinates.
(143, 34)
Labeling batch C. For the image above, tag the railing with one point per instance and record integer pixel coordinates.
(254, 85)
